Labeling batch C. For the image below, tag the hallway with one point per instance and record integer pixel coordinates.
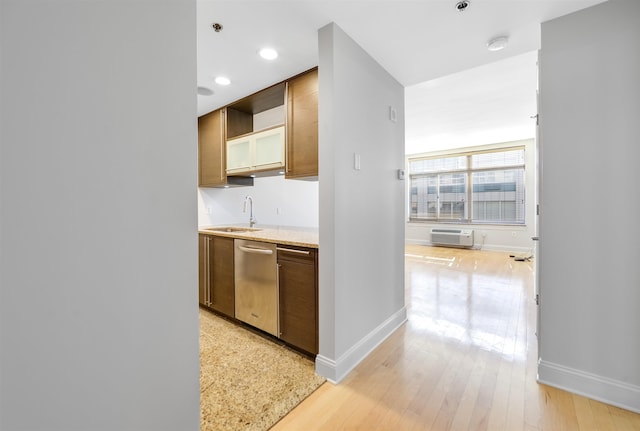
(465, 360)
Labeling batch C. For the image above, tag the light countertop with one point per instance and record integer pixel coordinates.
(296, 236)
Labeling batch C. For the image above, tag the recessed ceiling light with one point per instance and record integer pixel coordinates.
(461, 6)
(205, 91)
(221, 80)
(498, 43)
(268, 53)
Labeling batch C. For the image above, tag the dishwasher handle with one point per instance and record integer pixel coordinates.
(255, 250)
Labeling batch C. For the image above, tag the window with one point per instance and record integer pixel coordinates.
(470, 187)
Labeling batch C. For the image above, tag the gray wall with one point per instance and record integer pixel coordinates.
(589, 231)
(98, 248)
(361, 211)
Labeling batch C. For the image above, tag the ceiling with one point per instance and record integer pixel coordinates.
(488, 104)
(415, 41)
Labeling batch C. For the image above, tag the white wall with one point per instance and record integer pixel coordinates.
(589, 253)
(515, 238)
(276, 201)
(98, 249)
(362, 211)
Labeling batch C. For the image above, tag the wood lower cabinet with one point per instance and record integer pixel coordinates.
(216, 277)
(302, 126)
(298, 282)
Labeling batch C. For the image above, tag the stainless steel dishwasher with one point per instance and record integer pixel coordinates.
(256, 284)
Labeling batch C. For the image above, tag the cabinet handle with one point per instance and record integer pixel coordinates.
(278, 328)
(209, 299)
(286, 127)
(291, 250)
(206, 270)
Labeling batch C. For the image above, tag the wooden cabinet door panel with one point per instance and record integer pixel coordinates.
(215, 273)
(298, 301)
(222, 276)
(212, 156)
(302, 126)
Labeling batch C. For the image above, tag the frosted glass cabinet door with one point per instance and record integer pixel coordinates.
(269, 148)
(259, 151)
(239, 155)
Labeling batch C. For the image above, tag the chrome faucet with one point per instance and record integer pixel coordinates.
(252, 220)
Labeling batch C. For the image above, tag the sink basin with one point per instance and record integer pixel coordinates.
(232, 229)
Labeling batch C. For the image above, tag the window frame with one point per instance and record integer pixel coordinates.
(469, 170)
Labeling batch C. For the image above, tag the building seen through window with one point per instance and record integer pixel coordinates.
(471, 187)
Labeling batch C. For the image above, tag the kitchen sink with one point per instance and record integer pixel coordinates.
(232, 229)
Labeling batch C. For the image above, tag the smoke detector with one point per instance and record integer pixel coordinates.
(204, 91)
(497, 43)
(462, 5)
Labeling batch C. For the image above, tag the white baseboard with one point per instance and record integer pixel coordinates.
(609, 391)
(504, 249)
(336, 370)
(417, 241)
(488, 247)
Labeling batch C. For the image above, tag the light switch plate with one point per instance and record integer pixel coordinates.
(401, 174)
(393, 115)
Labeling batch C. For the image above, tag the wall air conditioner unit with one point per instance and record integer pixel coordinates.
(452, 237)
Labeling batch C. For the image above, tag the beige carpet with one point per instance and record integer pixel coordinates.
(247, 383)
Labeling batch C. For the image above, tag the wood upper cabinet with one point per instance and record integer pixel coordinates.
(216, 276)
(212, 156)
(229, 149)
(302, 126)
(298, 284)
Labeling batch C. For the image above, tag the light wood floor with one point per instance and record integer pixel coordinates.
(465, 360)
